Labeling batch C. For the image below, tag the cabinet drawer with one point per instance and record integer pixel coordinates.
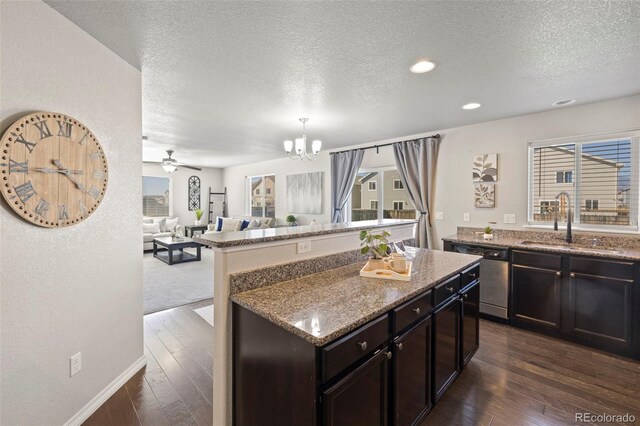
(412, 311)
(447, 289)
(536, 259)
(341, 354)
(602, 268)
(470, 275)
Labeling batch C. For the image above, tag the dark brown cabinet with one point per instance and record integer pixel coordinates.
(412, 374)
(600, 302)
(470, 321)
(536, 296)
(360, 398)
(446, 346)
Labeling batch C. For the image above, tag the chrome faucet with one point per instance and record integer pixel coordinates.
(569, 237)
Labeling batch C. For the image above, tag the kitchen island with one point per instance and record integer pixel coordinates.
(336, 348)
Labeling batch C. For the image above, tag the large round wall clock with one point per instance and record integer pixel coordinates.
(53, 169)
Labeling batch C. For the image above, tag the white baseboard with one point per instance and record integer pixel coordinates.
(106, 393)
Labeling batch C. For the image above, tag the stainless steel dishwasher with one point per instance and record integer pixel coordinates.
(494, 277)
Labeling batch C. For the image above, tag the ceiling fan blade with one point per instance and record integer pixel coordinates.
(152, 162)
(188, 167)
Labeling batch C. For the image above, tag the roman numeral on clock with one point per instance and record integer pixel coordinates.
(44, 129)
(64, 129)
(94, 192)
(83, 139)
(42, 208)
(20, 139)
(98, 174)
(63, 213)
(83, 208)
(94, 155)
(25, 191)
(15, 167)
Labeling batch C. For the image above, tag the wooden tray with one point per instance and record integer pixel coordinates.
(386, 274)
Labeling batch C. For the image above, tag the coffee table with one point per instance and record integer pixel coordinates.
(171, 258)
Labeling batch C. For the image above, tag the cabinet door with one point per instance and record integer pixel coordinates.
(600, 310)
(360, 398)
(536, 296)
(470, 322)
(412, 373)
(446, 346)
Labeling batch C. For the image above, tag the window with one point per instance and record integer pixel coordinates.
(591, 204)
(600, 176)
(564, 177)
(156, 196)
(262, 205)
(389, 199)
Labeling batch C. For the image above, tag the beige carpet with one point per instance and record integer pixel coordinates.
(176, 285)
(206, 313)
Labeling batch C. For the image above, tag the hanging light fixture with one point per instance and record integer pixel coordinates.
(299, 148)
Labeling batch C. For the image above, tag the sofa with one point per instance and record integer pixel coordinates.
(255, 222)
(157, 227)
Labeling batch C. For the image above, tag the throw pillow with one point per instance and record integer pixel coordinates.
(147, 220)
(170, 224)
(219, 220)
(245, 224)
(151, 228)
(254, 224)
(231, 225)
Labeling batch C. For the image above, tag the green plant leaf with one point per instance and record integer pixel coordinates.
(364, 250)
(363, 235)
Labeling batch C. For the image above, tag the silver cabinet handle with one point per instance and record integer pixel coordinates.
(416, 310)
(363, 345)
(450, 289)
(389, 355)
(473, 275)
(399, 346)
(572, 275)
(558, 274)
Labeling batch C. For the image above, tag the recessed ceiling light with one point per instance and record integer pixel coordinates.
(471, 105)
(564, 102)
(422, 67)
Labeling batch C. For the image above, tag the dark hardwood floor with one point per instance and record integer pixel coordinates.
(516, 378)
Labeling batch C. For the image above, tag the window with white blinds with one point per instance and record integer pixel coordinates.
(155, 196)
(600, 176)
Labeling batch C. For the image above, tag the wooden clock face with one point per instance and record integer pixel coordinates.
(53, 171)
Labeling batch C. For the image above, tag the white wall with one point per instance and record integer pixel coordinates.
(209, 177)
(78, 288)
(454, 187)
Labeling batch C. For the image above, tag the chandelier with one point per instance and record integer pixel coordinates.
(300, 145)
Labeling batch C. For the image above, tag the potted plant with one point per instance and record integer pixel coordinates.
(199, 214)
(291, 220)
(377, 245)
(488, 233)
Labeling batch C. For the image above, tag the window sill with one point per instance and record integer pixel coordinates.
(577, 227)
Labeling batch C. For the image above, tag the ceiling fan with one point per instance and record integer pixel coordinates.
(171, 164)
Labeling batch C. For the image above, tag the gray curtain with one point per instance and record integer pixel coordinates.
(416, 163)
(344, 168)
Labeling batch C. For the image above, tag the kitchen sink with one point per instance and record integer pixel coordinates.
(566, 246)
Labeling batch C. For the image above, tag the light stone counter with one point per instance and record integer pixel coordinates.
(255, 236)
(325, 306)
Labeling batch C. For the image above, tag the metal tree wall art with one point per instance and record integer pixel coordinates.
(485, 168)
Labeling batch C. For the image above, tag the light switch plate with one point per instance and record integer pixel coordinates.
(439, 216)
(509, 218)
(75, 364)
(466, 217)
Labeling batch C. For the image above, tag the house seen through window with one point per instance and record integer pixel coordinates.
(379, 194)
(262, 191)
(155, 196)
(600, 176)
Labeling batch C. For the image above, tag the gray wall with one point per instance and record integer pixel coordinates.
(78, 288)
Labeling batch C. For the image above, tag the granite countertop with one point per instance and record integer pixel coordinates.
(255, 236)
(555, 244)
(325, 306)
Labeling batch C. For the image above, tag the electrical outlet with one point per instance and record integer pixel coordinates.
(304, 247)
(466, 217)
(75, 364)
(439, 216)
(509, 218)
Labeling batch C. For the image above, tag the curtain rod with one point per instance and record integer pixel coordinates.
(377, 147)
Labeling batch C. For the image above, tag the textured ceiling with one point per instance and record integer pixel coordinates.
(224, 83)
